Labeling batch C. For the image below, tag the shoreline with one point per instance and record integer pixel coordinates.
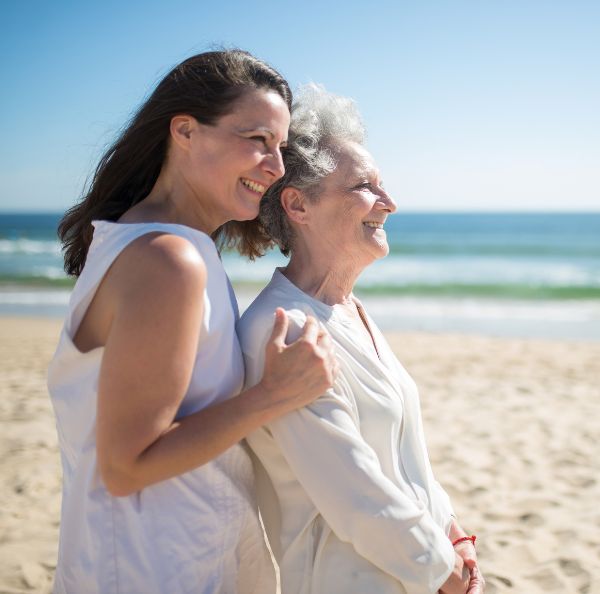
(575, 320)
(512, 427)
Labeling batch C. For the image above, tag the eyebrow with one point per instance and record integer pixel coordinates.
(365, 175)
(259, 128)
(262, 129)
(364, 171)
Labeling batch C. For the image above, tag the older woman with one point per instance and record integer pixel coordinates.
(346, 490)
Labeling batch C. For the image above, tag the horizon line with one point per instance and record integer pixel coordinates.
(397, 213)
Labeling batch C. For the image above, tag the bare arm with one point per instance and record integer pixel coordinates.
(155, 291)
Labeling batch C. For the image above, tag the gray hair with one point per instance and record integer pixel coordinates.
(320, 123)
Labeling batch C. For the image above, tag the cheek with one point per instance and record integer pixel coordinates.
(249, 153)
(235, 157)
(359, 209)
(209, 161)
(353, 207)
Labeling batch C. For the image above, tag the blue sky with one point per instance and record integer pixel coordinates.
(475, 105)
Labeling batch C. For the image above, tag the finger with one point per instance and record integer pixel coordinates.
(334, 361)
(322, 330)
(470, 562)
(322, 333)
(310, 332)
(280, 327)
(335, 369)
(324, 341)
(475, 582)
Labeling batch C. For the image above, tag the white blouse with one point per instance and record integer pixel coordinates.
(345, 486)
(198, 532)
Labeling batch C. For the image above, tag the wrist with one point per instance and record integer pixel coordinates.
(464, 539)
(455, 531)
(267, 401)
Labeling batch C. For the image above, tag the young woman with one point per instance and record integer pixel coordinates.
(158, 494)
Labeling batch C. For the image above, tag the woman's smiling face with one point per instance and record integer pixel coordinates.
(347, 217)
(233, 162)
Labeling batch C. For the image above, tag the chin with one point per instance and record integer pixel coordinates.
(246, 214)
(383, 249)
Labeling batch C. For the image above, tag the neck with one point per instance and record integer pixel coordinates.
(173, 200)
(324, 279)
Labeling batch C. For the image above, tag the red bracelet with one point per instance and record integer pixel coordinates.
(472, 538)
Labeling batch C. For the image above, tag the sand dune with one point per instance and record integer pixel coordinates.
(513, 428)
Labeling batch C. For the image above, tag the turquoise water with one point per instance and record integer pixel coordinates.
(549, 256)
(441, 266)
(525, 256)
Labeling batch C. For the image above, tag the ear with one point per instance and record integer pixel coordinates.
(294, 203)
(181, 128)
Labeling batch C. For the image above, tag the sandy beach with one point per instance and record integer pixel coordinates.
(513, 428)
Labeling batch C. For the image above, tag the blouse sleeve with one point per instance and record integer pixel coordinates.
(443, 496)
(342, 476)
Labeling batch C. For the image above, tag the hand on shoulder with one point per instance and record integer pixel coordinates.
(297, 372)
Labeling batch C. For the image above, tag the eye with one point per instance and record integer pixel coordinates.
(373, 187)
(364, 186)
(259, 138)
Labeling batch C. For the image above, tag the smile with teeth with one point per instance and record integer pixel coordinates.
(373, 225)
(252, 185)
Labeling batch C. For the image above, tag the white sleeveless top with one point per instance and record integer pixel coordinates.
(198, 532)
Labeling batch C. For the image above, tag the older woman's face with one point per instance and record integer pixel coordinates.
(348, 217)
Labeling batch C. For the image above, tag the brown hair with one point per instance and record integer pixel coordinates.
(204, 86)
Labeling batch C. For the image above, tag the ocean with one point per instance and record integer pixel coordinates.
(526, 274)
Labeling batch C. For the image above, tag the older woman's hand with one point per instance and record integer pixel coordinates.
(468, 553)
(466, 550)
(476, 583)
(295, 374)
(459, 580)
(469, 556)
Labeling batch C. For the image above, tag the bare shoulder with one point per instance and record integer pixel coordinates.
(162, 253)
(156, 258)
(161, 263)
(156, 276)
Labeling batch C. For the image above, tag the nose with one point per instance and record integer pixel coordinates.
(273, 164)
(387, 202)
